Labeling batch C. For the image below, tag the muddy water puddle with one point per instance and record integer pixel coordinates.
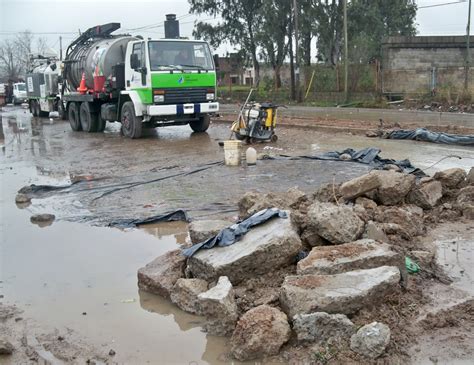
(59, 272)
(80, 277)
(455, 253)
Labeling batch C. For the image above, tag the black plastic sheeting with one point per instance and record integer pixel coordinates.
(234, 233)
(368, 156)
(178, 215)
(423, 134)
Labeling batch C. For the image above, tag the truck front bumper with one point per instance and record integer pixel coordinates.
(182, 109)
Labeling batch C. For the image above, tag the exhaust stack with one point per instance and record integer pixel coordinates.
(171, 26)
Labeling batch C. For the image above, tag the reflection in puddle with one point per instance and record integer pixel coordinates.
(179, 230)
(457, 259)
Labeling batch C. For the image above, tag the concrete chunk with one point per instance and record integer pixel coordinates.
(451, 178)
(426, 195)
(394, 186)
(185, 294)
(219, 306)
(371, 340)
(161, 274)
(361, 254)
(356, 187)
(322, 327)
(341, 293)
(260, 332)
(200, 231)
(337, 224)
(264, 248)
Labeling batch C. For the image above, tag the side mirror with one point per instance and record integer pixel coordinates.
(134, 62)
(216, 61)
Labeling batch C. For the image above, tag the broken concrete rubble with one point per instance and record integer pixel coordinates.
(253, 202)
(451, 178)
(361, 254)
(470, 177)
(341, 293)
(374, 232)
(218, 305)
(22, 198)
(337, 224)
(408, 217)
(394, 186)
(371, 340)
(322, 327)
(200, 231)
(465, 201)
(426, 195)
(357, 187)
(160, 275)
(6, 348)
(263, 249)
(366, 203)
(260, 332)
(185, 294)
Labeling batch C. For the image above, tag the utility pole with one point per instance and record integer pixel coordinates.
(297, 59)
(468, 50)
(346, 56)
(60, 48)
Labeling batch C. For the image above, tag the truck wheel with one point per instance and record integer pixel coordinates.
(37, 108)
(131, 124)
(89, 119)
(62, 111)
(33, 108)
(73, 116)
(201, 125)
(101, 124)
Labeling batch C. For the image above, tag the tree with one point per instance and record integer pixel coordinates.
(24, 41)
(273, 35)
(370, 21)
(41, 45)
(328, 29)
(240, 25)
(11, 65)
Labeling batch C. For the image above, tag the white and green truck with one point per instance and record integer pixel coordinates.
(139, 83)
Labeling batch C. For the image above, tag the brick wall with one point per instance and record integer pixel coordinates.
(415, 64)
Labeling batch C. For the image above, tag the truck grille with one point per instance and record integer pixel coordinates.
(185, 95)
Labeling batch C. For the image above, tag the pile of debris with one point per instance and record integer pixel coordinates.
(317, 280)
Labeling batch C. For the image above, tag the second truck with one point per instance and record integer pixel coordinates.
(139, 83)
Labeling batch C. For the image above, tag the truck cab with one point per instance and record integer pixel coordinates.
(171, 82)
(19, 93)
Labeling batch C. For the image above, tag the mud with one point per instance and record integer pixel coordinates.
(58, 272)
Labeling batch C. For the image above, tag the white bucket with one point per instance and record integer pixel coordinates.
(232, 152)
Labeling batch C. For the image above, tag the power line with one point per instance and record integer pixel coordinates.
(442, 4)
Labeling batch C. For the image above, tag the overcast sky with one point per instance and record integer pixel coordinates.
(51, 18)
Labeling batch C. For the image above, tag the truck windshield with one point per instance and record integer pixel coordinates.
(169, 55)
(21, 87)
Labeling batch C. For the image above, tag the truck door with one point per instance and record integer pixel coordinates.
(138, 69)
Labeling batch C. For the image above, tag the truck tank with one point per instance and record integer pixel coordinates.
(95, 58)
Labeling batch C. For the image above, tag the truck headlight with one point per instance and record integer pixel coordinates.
(158, 98)
(210, 96)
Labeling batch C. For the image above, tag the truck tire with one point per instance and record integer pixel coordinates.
(62, 110)
(131, 124)
(73, 116)
(88, 118)
(33, 109)
(37, 108)
(101, 123)
(201, 125)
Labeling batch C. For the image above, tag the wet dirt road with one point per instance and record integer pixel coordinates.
(58, 272)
